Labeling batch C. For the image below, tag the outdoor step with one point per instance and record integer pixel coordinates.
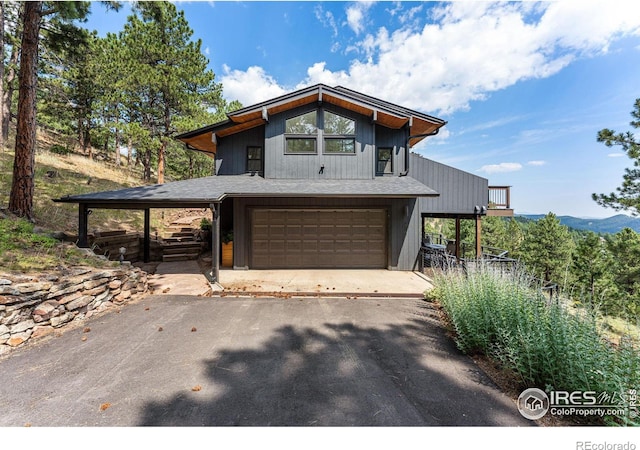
(175, 240)
(178, 229)
(179, 257)
(181, 234)
(181, 250)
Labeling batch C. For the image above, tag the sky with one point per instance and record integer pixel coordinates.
(524, 86)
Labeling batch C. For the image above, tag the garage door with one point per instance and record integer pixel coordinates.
(318, 238)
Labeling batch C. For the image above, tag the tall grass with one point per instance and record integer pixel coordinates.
(546, 343)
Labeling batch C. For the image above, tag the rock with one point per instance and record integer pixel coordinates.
(8, 290)
(18, 339)
(79, 302)
(122, 296)
(96, 291)
(101, 297)
(69, 298)
(68, 290)
(28, 288)
(5, 282)
(61, 320)
(87, 285)
(41, 331)
(45, 310)
(22, 326)
(4, 330)
(4, 349)
(115, 284)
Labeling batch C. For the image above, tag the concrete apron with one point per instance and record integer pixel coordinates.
(326, 283)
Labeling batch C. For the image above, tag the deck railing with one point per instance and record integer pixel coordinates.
(499, 197)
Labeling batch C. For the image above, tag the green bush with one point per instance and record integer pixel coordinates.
(59, 149)
(547, 344)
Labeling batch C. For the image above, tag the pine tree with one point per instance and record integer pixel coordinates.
(546, 249)
(590, 263)
(168, 71)
(627, 196)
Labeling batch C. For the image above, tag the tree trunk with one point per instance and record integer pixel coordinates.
(21, 197)
(9, 87)
(117, 154)
(161, 153)
(147, 164)
(129, 151)
(1, 69)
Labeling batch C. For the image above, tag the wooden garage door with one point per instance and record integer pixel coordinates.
(318, 238)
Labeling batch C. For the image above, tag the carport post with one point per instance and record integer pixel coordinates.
(215, 243)
(83, 219)
(147, 240)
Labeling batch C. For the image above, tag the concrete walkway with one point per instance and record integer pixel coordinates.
(338, 283)
(179, 278)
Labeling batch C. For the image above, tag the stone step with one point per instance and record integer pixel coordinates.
(178, 250)
(180, 234)
(179, 257)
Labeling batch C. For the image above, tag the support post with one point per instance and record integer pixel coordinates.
(458, 239)
(83, 225)
(478, 237)
(215, 243)
(147, 238)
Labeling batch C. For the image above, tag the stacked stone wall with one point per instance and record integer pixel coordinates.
(36, 305)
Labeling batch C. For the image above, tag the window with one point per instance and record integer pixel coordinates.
(339, 134)
(301, 133)
(384, 160)
(254, 159)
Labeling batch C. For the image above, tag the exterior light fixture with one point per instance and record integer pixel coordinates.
(122, 250)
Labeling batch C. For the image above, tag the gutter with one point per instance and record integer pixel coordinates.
(406, 149)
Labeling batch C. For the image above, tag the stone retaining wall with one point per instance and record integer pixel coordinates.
(35, 306)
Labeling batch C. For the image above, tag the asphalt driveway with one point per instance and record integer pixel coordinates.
(193, 361)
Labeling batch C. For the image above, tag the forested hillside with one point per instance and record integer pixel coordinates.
(612, 224)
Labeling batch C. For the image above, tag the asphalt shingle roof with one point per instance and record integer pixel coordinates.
(216, 188)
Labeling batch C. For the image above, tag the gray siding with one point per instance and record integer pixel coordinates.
(336, 166)
(459, 191)
(231, 158)
(397, 140)
(403, 225)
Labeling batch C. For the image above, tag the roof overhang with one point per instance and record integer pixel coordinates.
(383, 113)
(202, 192)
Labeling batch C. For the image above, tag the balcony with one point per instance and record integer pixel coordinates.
(500, 201)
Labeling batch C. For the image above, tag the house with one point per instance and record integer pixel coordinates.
(322, 177)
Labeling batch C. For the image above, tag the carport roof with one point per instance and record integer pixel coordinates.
(203, 191)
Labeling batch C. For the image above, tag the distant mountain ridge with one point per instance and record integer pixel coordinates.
(612, 224)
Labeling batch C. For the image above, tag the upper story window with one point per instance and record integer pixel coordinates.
(254, 159)
(384, 160)
(339, 134)
(301, 133)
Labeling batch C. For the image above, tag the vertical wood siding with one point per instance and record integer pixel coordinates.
(231, 158)
(336, 166)
(397, 140)
(459, 191)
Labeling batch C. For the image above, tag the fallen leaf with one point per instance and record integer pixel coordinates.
(196, 388)
(105, 406)
(160, 328)
(86, 330)
(84, 338)
(194, 329)
(28, 424)
(146, 309)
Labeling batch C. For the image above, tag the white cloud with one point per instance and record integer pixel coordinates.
(537, 163)
(251, 86)
(616, 155)
(326, 19)
(466, 51)
(476, 48)
(357, 15)
(501, 168)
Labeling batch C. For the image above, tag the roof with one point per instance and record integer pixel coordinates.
(381, 112)
(201, 192)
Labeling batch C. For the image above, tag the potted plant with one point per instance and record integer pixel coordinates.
(227, 248)
(205, 232)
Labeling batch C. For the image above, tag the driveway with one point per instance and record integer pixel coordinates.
(192, 361)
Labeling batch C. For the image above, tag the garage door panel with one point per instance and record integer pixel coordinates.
(318, 238)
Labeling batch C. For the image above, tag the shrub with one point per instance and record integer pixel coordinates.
(59, 149)
(547, 344)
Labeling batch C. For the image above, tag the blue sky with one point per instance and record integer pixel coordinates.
(524, 86)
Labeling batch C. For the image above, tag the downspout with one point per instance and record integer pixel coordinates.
(406, 149)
